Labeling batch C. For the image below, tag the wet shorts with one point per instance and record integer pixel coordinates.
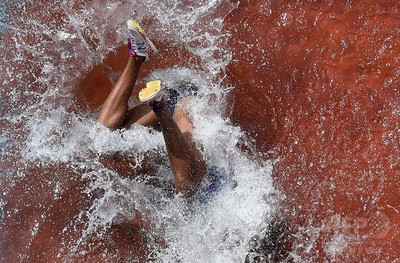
(214, 180)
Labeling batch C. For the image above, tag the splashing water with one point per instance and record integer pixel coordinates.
(43, 61)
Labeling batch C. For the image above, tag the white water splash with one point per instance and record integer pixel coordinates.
(217, 232)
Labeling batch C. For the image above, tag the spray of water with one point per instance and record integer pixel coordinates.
(218, 231)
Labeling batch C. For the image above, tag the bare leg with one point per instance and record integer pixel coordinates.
(186, 160)
(141, 114)
(115, 109)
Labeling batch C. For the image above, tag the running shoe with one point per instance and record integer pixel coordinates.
(153, 91)
(138, 43)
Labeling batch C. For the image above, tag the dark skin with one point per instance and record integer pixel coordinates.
(185, 158)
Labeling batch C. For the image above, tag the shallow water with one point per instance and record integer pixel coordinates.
(299, 99)
(324, 75)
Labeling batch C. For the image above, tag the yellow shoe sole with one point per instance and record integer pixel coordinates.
(136, 26)
(152, 91)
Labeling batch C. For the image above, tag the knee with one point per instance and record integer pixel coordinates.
(112, 120)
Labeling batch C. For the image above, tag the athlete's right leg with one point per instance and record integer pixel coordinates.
(187, 162)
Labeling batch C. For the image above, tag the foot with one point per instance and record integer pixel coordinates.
(152, 94)
(138, 43)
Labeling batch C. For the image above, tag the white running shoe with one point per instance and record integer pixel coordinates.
(138, 43)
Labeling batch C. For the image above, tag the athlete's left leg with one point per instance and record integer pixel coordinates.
(115, 108)
(114, 112)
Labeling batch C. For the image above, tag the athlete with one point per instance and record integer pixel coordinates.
(186, 160)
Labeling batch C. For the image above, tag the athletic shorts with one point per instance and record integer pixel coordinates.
(214, 180)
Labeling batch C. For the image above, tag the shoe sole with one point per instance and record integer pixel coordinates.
(134, 26)
(153, 91)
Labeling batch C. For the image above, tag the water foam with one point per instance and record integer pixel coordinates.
(217, 232)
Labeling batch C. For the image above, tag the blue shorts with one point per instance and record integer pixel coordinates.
(214, 180)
